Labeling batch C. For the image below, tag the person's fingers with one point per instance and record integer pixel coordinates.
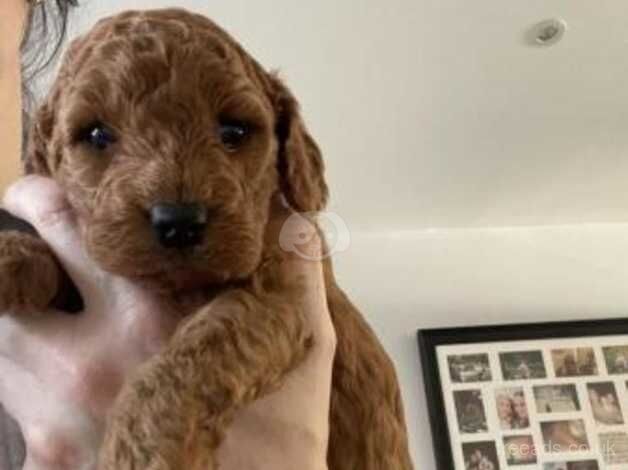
(306, 264)
(57, 434)
(41, 202)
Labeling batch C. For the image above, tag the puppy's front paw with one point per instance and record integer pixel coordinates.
(29, 273)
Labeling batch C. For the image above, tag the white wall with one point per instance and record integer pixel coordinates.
(438, 278)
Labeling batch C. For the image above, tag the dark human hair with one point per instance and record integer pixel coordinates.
(46, 26)
(45, 30)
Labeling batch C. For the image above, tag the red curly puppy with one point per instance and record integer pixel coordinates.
(174, 146)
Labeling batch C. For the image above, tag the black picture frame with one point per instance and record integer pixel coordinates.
(430, 339)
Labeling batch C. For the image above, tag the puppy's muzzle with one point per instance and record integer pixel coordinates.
(179, 225)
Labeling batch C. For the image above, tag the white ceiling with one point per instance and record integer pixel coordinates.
(436, 113)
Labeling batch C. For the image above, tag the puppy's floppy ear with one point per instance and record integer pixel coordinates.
(300, 164)
(41, 156)
(37, 154)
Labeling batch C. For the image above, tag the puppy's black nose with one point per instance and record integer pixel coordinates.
(179, 225)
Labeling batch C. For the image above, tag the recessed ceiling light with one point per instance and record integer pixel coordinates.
(547, 33)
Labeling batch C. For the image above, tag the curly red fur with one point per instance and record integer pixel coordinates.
(27, 261)
(162, 80)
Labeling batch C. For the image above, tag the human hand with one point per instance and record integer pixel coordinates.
(61, 373)
(64, 372)
(290, 428)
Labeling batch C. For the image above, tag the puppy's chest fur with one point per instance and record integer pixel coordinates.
(270, 276)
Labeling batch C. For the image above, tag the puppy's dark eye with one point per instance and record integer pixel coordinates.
(233, 133)
(98, 136)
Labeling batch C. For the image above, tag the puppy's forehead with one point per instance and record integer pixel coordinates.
(170, 37)
(174, 28)
(174, 24)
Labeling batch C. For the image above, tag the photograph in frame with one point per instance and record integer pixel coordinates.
(551, 396)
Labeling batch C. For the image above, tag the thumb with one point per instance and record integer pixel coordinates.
(41, 202)
(306, 264)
